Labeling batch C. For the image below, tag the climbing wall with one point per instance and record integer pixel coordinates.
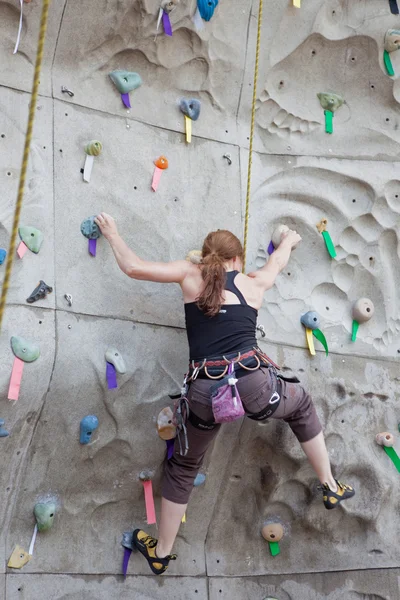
(301, 175)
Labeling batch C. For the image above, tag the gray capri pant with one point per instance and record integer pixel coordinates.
(255, 389)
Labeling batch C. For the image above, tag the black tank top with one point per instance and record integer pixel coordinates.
(231, 330)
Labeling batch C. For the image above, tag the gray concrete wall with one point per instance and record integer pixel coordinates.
(300, 175)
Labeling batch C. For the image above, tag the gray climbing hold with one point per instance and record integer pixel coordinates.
(190, 108)
(32, 237)
(40, 292)
(125, 81)
(114, 357)
(44, 514)
(310, 320)
(23, 349)
(89, 228)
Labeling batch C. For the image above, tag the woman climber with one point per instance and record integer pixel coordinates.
(228, 374)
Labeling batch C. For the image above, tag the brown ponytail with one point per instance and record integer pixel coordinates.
(218, 248)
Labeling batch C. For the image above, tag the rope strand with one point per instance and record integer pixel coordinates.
(25, 158)
(253, 113)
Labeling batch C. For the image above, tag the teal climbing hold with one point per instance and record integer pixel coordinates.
(207, 8)
(89, 228)
(32, 237)
(25, 350)
(44, 514)
(125, 81)
(3, 254)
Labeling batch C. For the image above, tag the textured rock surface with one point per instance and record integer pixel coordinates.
(300, 175)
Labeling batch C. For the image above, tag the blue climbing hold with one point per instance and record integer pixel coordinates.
(3, 255)
(3, 432)
(310, 320)
(206, 8)
(191, 108)
(88, 425)
(200, 479)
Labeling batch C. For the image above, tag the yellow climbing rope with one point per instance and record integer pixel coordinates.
(25, 158)
(253, 114)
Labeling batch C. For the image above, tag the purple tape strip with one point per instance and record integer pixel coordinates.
(127, 555)
(126, 100)
(92, 247)
(271, 248)
(111, 375)
(170, 448)
(166, 23)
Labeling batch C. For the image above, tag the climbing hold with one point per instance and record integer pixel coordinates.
(24, 350)
(91, 231)
(3, 432)
(92, 149)
(125, 82)
(206, 8)
(146, 477)
(330, 102)
(272, 532)
(191, 108)
(3, 254)
(392, 43)
(44, 514)
(114, 357)
(321, 226)
(195, 257)
(394, 9)
(161, 164)
(32, 238)
(363, 311)
(277, 235)
(165, 424)
(88, 425)
(19, 558)
(199, 480)
(385, 439)
(40, 292)
(310, 319)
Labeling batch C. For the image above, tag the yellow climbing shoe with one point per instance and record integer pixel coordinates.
(333, 499)
(147, 546)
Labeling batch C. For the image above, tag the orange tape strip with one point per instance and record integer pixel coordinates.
(15, 381)
(149, 501)
(22, 248)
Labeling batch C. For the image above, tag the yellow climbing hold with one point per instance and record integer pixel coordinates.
(19, 558)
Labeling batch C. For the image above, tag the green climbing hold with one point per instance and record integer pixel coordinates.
(321, 338)
(94, 148)
(355, 327)
(44, 514)
(330, 102)
(32, 237)
(126, 81)
(388, 63)
(274, 548)
(329, 244)
(26, 351)
(328, 121)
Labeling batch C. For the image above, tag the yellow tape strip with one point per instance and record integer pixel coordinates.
(310, 341)
(184, 518)
(188, 126)
(297, 3)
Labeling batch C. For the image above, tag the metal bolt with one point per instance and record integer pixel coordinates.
(65, 90)
(23, 349)
(228, 158)
(69, 326)
(68, 298)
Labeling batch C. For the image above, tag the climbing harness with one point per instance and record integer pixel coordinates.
(253, 114)
(25, 158)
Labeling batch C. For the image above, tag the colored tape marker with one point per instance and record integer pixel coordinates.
(126, 101)
(329, 244)
(317, 333)
(15, 381)
(20, 27)
(87, 169)
(271, 248)
(170, 448)
(328, 121)
(354, 330)
(388, 63)
(274, 548)
(297, 3)
(156, 178)
(33, 540)
(92, 247)
(394, 7)
(166, 23)
(111, 375)
(149, 501)
(188, 126)
(22, 248)
(184, 518)
(392, 454)
(310, 341)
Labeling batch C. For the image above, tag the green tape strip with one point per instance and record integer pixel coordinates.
(321, 338)
(274, 547)
(356, 325)
(392, 454)
(329, 244)
(328, 121)
(388, 63)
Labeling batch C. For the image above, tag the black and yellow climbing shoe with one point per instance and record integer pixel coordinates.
(146, 544)
(333, 499)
